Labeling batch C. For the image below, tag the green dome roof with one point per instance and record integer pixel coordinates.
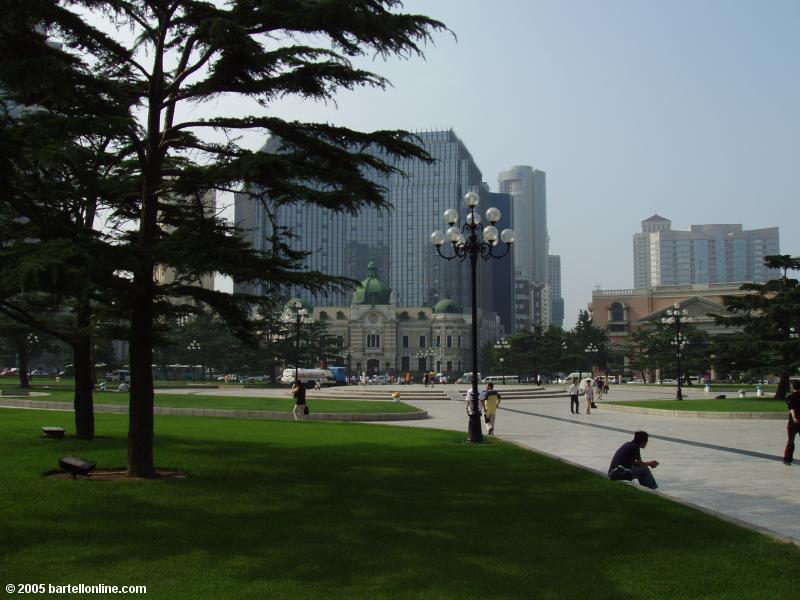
(290, 305)
(372, 290)
(448, 306)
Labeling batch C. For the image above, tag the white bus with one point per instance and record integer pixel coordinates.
(501, 379)
(308, 377)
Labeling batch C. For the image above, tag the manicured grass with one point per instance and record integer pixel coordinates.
(711, 405)
(315, 510)
(284, 404)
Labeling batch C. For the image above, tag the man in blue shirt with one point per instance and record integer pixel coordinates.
(628, 465)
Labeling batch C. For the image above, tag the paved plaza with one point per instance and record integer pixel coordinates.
(732, 467)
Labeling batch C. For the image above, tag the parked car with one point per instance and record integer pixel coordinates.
(635, 381)
(12, 372)
(38, 373)
(379, 380)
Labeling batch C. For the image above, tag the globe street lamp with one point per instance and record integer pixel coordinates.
(466, 244)
(591, 351)
(676, 317)
(193, 347)
(298, 316)
(423, 355)
(502, 346)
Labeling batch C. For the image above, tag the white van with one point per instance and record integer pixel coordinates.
(501, 379)
(308, 377)
(467, 378)
(576, 375)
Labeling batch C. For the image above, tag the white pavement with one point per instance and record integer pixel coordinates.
(729, 466)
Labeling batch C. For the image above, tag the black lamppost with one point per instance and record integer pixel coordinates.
(591, 351)
(298, 316)
(193, 347)
(349, 357)
(424, 354)
(502, 346)
(471, 247)
(676, 316)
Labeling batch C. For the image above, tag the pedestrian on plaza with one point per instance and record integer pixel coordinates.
(793, 426)
(425, 379)
(300, 409)
(490, 401)
(408, 377)
(588, 395)
(598, 389)
(605, 384)
(628, 465)
(574, 392)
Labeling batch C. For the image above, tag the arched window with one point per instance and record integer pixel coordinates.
(616, 312)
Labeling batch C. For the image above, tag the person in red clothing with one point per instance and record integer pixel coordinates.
(793, 426)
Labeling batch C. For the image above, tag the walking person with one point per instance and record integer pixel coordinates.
(793, 426)
(490, 401)
(574, 391)
(300, 409)
(598, 391)
(627, 463)
(588, 395)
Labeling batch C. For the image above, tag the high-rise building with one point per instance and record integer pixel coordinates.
(528, 189)
(554, 284)
(397, 240)
(717, 253)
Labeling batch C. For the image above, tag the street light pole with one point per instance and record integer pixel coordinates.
(193, 347)
(471, 247)
(502, 346)
(591, 350)
(676, 316)
(299, 316)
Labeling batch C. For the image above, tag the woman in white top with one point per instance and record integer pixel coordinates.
(588, 394)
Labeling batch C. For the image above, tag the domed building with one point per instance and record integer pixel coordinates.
(383, 338)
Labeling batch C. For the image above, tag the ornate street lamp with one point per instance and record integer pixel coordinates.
(676, 317)
(466, 244)
(591, 351)
(424, 354)
(502, 346)
(193, 348)
(298, 316)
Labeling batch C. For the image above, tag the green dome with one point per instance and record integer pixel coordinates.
(372, 290)
(448, 306)
(290, 305)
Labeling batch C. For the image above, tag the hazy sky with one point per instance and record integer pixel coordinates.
(690, 108)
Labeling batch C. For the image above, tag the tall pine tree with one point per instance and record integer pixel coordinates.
(158, 57)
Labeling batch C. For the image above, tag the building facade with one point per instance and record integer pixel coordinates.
(620, 312)
(379, 336)
(714, 253)
(528, 190)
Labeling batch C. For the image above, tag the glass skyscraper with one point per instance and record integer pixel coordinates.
(397, 240)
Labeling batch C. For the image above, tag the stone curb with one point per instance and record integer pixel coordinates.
(695, 414)
(216, 412)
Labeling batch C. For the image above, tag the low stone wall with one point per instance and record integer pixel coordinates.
(217, 412)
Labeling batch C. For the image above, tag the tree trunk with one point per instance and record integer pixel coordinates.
(783, 386)
(140, 423)
(24, 362)
(84, 401)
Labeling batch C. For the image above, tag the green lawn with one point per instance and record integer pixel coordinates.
(242, 402)
(319, 510)
(711, 405)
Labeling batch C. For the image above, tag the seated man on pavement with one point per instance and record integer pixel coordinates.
(628, 465)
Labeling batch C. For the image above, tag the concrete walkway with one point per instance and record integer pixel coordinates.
(731, 467)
